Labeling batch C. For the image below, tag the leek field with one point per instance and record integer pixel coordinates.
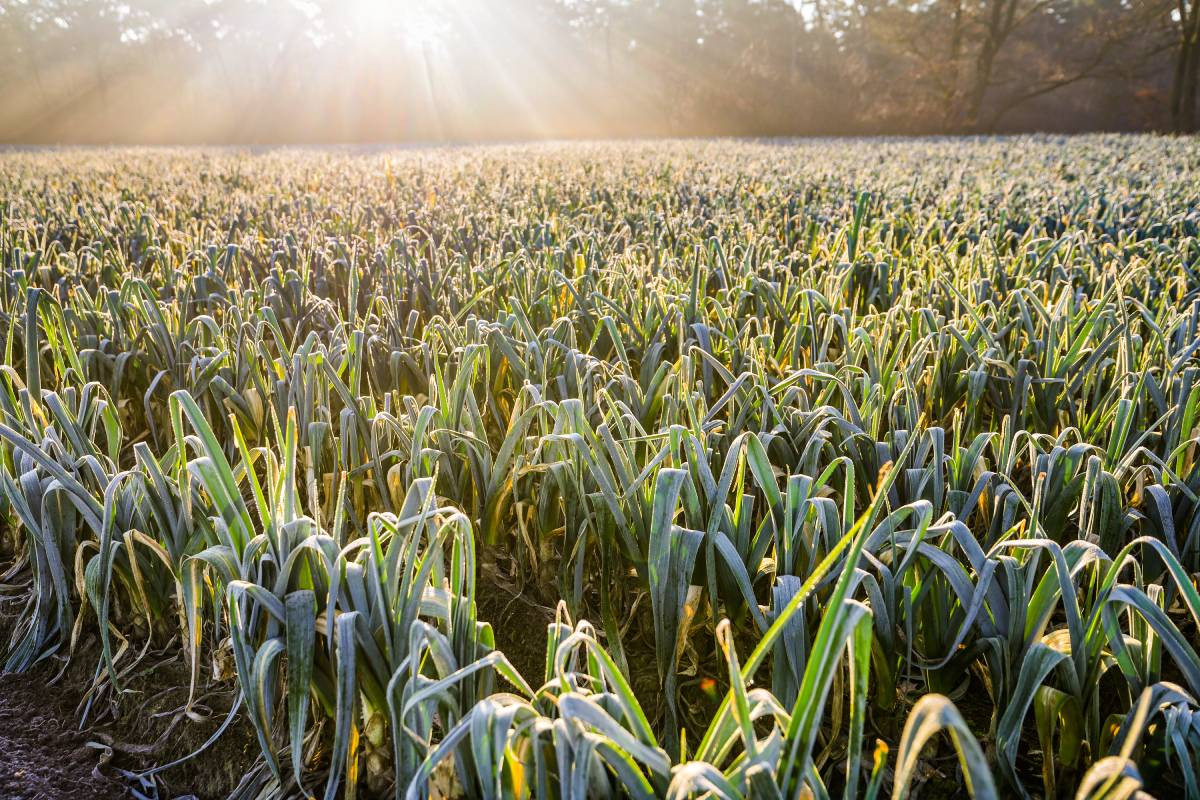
(823, 469)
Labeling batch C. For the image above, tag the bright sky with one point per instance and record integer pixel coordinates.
(338, 70)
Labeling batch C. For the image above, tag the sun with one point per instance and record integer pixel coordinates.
(422, 22)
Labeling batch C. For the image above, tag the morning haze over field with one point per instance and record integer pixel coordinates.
(307, 71)
(377, 438)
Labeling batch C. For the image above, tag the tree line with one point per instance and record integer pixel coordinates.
(368, 70)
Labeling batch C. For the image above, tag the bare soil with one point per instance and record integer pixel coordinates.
(43, 753)
(519, 623)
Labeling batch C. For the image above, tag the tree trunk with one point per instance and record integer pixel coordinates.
(951, 99)
(979, 87)
(1177, 80)
(1183, 80)
(1000, 14)
(1188, 110)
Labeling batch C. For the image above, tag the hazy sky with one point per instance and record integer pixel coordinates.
(313, 71)
(336, 70)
